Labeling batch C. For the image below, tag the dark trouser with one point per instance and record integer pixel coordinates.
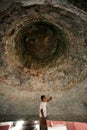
(43, 123)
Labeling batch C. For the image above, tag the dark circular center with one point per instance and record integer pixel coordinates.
(40, 40)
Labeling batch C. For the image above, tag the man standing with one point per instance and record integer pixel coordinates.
(43, 112)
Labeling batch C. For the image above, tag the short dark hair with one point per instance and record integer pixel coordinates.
(42, 97)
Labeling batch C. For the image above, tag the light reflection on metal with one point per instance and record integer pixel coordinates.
(24, 125)
(18, 126)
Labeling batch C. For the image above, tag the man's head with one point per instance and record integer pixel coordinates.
(43, 98)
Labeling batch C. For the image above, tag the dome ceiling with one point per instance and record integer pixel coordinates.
(43, 50)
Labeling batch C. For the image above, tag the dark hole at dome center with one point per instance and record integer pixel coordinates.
(40, 40)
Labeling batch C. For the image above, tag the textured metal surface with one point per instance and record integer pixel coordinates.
(33, 125)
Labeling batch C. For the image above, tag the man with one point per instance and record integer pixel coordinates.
(43, 112)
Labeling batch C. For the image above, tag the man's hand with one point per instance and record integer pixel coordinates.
(49, 99)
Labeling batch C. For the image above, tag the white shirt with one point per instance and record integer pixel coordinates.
(43, 106)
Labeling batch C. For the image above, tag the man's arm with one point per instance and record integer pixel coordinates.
(49, 99)
(42, 113)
